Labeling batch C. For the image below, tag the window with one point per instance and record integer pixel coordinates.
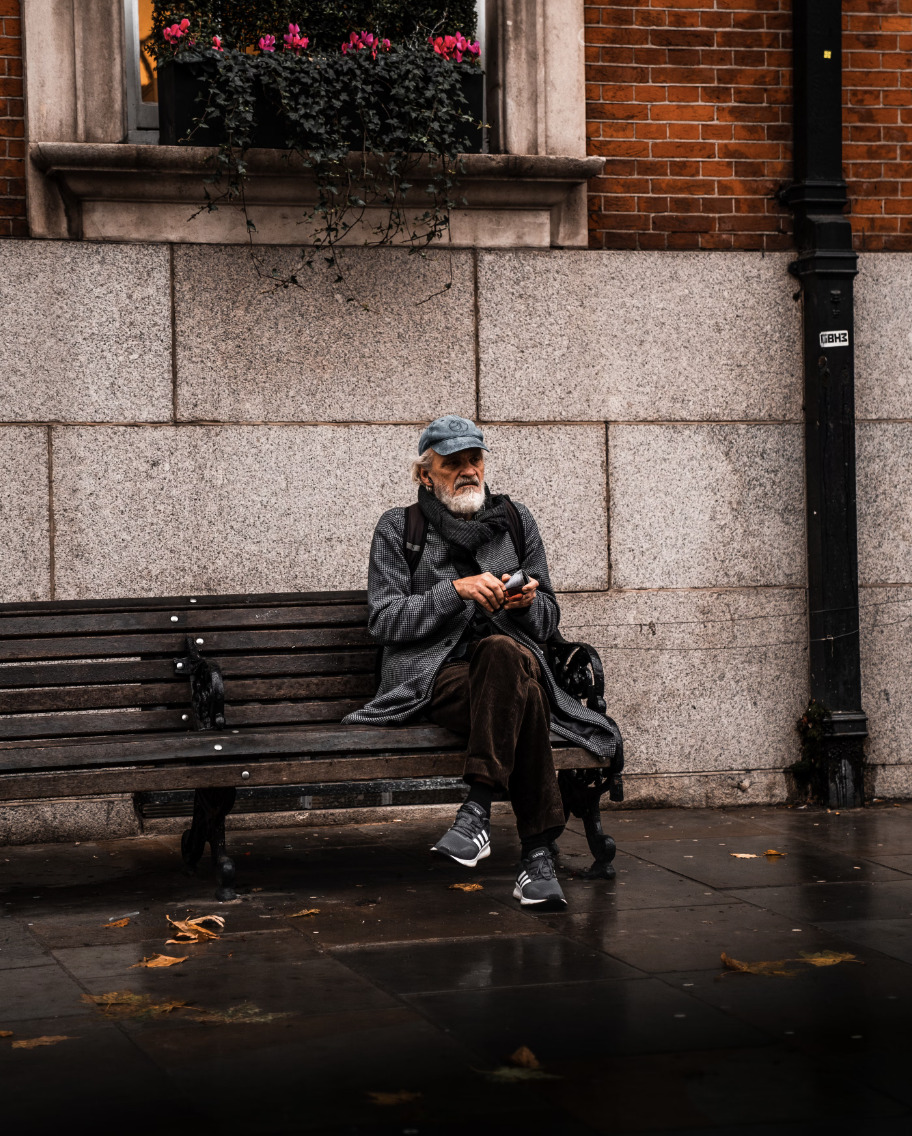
(141, 80)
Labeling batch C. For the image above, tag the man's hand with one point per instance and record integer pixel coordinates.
(485, 590)
(521, 599)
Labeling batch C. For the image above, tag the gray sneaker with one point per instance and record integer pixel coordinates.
(536, 884)
(469, 840)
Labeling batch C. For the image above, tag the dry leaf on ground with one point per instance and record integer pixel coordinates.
(304, 912)
(126, 1004)
(6, 1033)
(524, 1058)
(195, 930)
(158, 961)
(35, 1042)
(402, 1097)
(516, 1073)
(118, 922)
(828, 958)
(773, 852)
(243, 1013)
(466, 887)
(744, 855)
(776, 968)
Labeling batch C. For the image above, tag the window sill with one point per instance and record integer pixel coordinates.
(128, 192)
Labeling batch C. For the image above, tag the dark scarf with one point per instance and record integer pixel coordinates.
(470, 534)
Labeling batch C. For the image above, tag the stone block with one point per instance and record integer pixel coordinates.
(585, 336)
(68, 818)
(402, 349)
(85, 332)
(706, 505)
(24, 547)
(883, 336)
(884, 488)
(735, 788)
(559, 473)
(700, 682)
(886, 662)
(219, 509)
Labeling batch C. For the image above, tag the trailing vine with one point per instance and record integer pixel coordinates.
(813, 727)
(368, 112)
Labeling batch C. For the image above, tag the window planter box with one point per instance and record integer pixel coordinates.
(182, 90)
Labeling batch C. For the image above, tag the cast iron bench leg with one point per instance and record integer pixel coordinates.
(210, 807)
(581, 791)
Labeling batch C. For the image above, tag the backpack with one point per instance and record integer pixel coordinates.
(416, 527)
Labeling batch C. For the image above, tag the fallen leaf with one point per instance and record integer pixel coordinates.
(402, 1097)
(304, 912)
(466, 887)
(524, 1058)
(158, 961)
(34, 1042)
(744, 855)
(516, 1073)
(773, 852)
(775, 969)
(126, 1004)
(195, 930)
(828, 958)
(6, 1033)
(118, 922)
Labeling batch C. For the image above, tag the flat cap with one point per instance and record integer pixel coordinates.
(449, 434)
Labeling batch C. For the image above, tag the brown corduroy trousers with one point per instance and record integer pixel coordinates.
(496, 698)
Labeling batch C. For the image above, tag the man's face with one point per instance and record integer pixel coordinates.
(456, 478)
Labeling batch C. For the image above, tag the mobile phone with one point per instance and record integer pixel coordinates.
(516, 583)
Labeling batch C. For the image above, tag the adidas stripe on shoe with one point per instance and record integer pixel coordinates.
(469, 839)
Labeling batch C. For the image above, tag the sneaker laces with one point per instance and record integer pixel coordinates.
(468, 823)
(541, 868)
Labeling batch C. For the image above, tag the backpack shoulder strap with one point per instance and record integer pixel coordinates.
(517, 532)
(415, 535)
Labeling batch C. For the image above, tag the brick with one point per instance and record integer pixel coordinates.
(682, 112)
(684, 150)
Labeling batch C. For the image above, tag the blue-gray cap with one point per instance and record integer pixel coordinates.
(449, 434)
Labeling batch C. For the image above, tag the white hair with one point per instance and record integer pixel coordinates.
(424, 462)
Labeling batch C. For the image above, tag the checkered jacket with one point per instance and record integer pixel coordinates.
(419, 619)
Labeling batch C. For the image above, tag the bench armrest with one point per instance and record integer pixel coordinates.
(577, 669)
(207, 688)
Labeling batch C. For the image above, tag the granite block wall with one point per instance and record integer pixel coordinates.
(173, 423)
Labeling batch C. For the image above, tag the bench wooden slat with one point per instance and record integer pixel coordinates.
(128, 750)
(72, 724)
(186, 620)
(159, 603)
(155, 694)
(289, 771)
(175, 644)
(96, 671)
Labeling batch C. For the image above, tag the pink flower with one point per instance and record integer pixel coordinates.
(454, 47)
(217, 43)
(365, 41)
(176, 32)
(294, 41)
(267, 43)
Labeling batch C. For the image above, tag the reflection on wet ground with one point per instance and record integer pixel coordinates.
(396, 1006)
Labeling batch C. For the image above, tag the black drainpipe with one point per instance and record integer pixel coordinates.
(826, 266)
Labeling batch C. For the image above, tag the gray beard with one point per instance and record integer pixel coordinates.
(462, 504)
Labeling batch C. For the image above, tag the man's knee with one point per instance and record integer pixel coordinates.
(504, 652)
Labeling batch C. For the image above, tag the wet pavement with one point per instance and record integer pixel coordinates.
(403, 986)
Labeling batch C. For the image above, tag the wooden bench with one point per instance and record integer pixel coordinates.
(214, 692)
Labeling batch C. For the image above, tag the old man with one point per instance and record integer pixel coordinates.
(467, 654)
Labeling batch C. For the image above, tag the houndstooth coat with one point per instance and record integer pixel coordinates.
(420, 619)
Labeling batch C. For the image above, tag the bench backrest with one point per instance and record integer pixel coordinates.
(96, 668)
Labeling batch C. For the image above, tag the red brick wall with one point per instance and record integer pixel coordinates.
(877, 121)
(12, 124)
(690, 102)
